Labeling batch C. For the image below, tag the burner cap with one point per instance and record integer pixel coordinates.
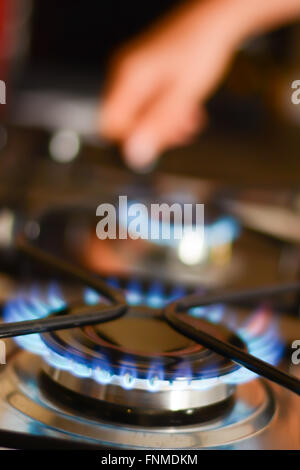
(142, 340)
(123, 360)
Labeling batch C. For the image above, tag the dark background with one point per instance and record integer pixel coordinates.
(86, 32)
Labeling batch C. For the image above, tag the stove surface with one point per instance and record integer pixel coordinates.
(257, 420)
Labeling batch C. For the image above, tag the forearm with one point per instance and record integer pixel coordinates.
(234, 20)
(251, 17)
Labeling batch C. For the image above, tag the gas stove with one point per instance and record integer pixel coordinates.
(128, 378)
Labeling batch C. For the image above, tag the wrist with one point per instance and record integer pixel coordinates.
(247, 18)
(226, 19)
(236, 20)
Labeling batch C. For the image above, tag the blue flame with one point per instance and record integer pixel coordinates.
(261, 337)
(58, 361)
(134, 293)
(91, 297)
(184, 372)
(265, 346)
(55, 297)
(128, 377)
(155, 295)
(176, 293)
(81, 370)
(103, 374)
(113, 282)
(155, 377)
(224, 230)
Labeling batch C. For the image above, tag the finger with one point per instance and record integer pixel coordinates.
(131, 86)
(170, 121)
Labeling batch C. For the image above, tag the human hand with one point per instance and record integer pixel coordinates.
(158, 84)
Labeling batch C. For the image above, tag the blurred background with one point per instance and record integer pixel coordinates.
(55, 170)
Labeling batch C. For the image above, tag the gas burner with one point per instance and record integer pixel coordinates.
(122, 361)
(137, 369)
(141, 354)
(140, 346)
(42, 407)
